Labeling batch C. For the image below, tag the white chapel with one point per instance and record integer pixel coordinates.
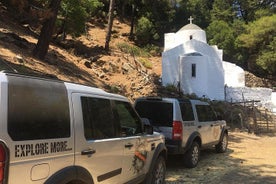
(198, 68)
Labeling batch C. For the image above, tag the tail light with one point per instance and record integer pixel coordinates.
(177, 130)
(2, 162)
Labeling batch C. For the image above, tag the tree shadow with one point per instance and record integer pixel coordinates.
(80, 49)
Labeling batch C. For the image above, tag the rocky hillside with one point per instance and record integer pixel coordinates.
(81, 60)
(84, 60)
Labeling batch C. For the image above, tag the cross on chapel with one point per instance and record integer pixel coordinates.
(191, 19)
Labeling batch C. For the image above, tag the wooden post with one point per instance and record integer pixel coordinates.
(254, 118)
(267, 123)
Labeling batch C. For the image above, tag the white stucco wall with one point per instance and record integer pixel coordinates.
(197, 34)
(234, 75)
(169, 41)
(241, 94)
(197, 85)
(174, 39)
(273, 99)
(170, 65)
(214, 76)
(209, 81)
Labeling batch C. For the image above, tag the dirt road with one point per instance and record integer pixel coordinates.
(249, 159)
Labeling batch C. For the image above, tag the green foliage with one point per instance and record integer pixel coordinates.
(160, 13)
(153, 49)
(144, 30)
(92, 6)
(136, 51)
(132, 50)
(267, 58)
(222, 10)
(114, 89)
(145, 62)
(258, 33)
(221, 34)
(75, 13)
(198, 9)
(75, 17)
(259, 40)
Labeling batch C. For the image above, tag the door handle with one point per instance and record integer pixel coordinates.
(199, 126)
(129, 145)
(88, 152)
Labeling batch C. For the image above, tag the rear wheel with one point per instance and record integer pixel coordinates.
(221, 147)
(191, 157)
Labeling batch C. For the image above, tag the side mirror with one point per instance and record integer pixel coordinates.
(148, 129)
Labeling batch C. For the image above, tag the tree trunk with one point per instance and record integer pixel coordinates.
(45, 36)
(131, 34)
(110, 23)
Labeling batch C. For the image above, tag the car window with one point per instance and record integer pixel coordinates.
(186, 111)
(37, 109)
(159, 113)
(98, 118)
(127, 118)
(205, 113)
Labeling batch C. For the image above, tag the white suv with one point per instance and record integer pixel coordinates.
(188, 125)
(55, 132)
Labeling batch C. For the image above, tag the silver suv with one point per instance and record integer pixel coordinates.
(55, 132)
(188, 125)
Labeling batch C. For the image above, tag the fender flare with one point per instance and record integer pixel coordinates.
(158, 151)
(69, 174)
(224, 130)
(193, 136)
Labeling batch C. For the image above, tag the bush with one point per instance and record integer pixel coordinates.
(133, 50)
(144, 30)
(146, 63)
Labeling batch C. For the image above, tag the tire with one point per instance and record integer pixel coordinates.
(191, 157)
(158, 172)
(77, 182)
(221, 147)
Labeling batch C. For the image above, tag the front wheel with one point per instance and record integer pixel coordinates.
(158, 173)
(191, 157)
(221, 147)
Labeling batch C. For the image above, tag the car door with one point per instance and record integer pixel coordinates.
(216, 128)
(135, 143)
(204, 125)
(98, 147)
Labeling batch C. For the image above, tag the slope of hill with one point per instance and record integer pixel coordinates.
(81, 60)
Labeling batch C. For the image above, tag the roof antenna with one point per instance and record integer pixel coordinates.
(13, 69)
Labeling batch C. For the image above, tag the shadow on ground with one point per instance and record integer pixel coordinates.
(217, 168)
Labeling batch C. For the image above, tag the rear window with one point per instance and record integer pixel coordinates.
(159, 113)
(37, 109)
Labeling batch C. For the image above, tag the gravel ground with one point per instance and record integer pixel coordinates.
(249, 159)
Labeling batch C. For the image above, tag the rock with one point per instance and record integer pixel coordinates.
(94, 58)
(127, 68)
(102, 75)
(87, 63)
(19, 59)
